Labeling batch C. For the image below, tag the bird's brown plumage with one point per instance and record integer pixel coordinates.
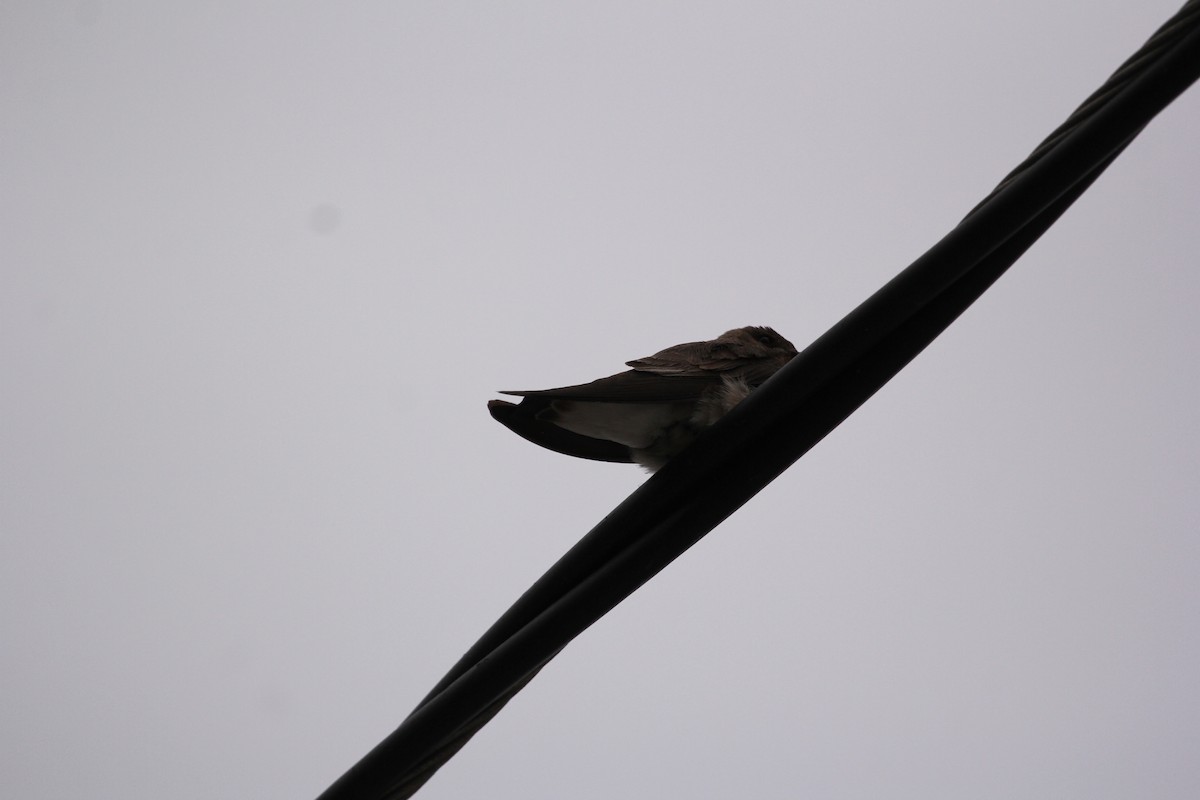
(651, 412)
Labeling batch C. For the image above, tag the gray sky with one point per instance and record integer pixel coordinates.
(262, 264)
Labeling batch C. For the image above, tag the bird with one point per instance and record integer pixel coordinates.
(648, 414)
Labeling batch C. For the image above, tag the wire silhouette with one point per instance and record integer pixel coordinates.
(780, 421)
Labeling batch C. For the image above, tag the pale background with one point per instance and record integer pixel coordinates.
(263, 264)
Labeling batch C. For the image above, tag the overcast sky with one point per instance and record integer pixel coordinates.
(263, 264)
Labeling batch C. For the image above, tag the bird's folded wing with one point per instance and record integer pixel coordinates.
(633, 386)
(711, 366)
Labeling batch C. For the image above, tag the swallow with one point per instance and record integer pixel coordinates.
(648, 414)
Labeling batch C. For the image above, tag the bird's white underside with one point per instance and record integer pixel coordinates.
(653, 432)
(634, 425)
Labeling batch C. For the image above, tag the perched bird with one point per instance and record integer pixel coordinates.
(650, 413)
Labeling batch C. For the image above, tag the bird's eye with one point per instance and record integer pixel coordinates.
(765, 338)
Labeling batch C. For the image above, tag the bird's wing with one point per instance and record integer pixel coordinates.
(708, 359)
(692, 358)
(633, 386)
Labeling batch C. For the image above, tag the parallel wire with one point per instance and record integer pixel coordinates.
(783, 419)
